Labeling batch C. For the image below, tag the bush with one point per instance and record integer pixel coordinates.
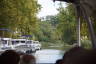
(86, 44)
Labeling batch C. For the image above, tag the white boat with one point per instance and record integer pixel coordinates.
(5, 44)
(19, 44)
(37, 45)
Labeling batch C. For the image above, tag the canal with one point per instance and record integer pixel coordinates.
(48, 56)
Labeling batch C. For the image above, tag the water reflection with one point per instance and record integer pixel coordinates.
(48, 55)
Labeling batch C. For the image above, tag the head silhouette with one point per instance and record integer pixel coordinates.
(9, 57)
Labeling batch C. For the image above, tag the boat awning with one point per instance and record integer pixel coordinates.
(89, 5)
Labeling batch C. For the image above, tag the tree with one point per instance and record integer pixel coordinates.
(8, 13)
(67, 24)
(19, 15)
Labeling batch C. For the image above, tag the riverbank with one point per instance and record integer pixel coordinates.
(58, 46)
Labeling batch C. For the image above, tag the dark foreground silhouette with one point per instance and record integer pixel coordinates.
(13, 57)
(27, 59)
(9, 57)
(78, 55)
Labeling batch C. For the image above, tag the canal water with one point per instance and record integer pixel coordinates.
(48, 56)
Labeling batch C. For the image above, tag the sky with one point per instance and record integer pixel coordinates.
(48, 8)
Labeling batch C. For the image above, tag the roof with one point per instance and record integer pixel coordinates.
(88, 5)
(5, 38)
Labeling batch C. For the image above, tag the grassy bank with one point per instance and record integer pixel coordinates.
(58, 46)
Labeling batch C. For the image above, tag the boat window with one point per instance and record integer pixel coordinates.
(22, 41)
(15, 42)
(4, 42)
(28, 42)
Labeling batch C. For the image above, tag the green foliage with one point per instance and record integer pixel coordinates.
(67, 24)
(19, 16)
(59, 28)
(94, 23)
(8, 13)
(86, 44)
(45, 31)
(28, 10)
(53, 20)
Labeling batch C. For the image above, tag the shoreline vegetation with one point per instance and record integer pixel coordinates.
(63, 46)
(58, 46)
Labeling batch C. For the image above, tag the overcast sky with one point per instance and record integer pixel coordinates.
(48, 8)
